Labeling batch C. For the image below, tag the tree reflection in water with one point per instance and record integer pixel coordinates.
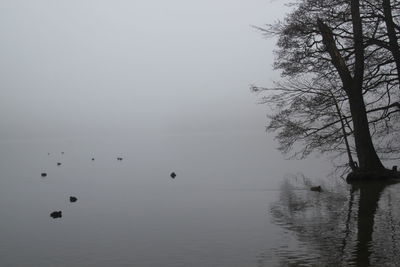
(345, 225)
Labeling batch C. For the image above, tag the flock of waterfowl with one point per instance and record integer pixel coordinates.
(72, 199)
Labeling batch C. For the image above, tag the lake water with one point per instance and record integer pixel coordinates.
(233, 203)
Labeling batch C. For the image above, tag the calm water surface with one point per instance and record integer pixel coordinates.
(228, 206)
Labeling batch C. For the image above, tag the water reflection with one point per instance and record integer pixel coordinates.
(345, 225)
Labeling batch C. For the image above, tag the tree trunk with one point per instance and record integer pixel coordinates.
(352, 85)
(366, 154)
(391, 30)
(367, 157)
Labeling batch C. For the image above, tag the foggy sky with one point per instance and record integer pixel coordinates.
(81, 67)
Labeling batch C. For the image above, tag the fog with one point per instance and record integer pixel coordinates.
(163, 85)
(84, 68)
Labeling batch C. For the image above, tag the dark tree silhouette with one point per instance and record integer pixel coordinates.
(339, 64)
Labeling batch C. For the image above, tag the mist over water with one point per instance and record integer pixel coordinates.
(162, 85)
(227, 206)
(131, 212)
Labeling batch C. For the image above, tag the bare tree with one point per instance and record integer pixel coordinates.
(338, 83)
